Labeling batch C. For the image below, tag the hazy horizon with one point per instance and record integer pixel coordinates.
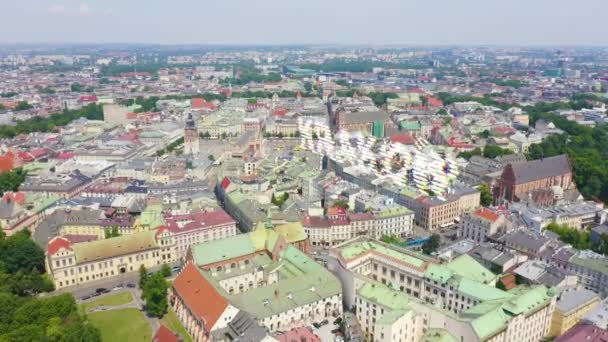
(315, 22)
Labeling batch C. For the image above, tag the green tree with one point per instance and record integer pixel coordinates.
(211, 157)
(20, 253)
(23, 105)
(143, 276)
(308, 86)
(11, 180)
(155, 295)
(432, 244)
(468, 154)
(165, 271)
(493, 151)
(343, 83)
(390, 239)
(486, 198)
(76, 87)
(341, 204)
(484, 134)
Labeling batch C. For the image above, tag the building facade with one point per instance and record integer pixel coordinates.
(71, 264)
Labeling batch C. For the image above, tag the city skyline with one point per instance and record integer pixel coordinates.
(272, 22)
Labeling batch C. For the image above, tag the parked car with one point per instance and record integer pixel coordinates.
(338, 320)
(131, 285)
(85, 297)
(324, 322)
(101, 290)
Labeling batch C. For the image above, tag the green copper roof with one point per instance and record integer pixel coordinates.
(527, 299)
(152, 216)
(438, 273)
(218, 250)
(391, 317)
(481, 291)
(437, 335)
(393, 212)
(381, 294)
(469, 268)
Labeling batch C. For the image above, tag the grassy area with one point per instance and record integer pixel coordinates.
(122, 325)
(173, 323)
(111, 300)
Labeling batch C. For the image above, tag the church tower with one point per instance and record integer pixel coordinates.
(191, 143)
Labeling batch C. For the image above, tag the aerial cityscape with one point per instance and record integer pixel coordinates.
(302, 186)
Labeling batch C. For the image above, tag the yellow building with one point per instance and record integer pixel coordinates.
(571, 306)
(71, 264)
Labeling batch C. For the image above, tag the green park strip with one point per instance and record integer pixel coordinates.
(114, 327)
(111, 300)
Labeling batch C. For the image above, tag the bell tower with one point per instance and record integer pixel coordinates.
(191, 139)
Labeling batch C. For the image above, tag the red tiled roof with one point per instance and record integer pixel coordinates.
(487, 214)
(26, 156)
(163, 334)
(56, 244)
(39, 152)
(195, 221)
(200, 103)
(279, 112)
(453, 142)
(298, 334)
(17, 197)
(88, 98)
(315, 222)
(7, 162)
(65, 155)
(404, 139)
(225, 183)
(203, 300)
(336, 211)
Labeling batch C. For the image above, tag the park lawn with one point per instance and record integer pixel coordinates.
(111, 300)
(171, 321)
(122, 325)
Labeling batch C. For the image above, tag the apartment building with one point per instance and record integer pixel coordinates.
(481, 223)
(339, 225)
(570, 308)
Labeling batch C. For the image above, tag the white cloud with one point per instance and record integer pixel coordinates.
(82, 10)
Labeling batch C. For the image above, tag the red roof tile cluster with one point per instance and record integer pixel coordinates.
(487, 214)
(17, 197)
(200, 103)
(203, 300)
(405, 139)
(279, 112)
(7, 162)
(196, 221)
(163, 334)
(453, 142)
(299, 334)
(225, 183)
(88, 98)
(65, 155)
(434, 102)
(584, 332)
(56, 244)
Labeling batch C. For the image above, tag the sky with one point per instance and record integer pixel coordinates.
(375, 22)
